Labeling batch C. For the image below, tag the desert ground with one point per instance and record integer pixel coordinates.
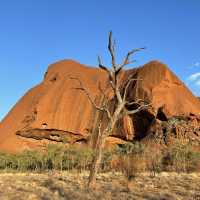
(71, 185)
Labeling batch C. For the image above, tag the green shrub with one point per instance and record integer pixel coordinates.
(131, 148)
(8, 161)
(181, 157)
(53, 157)
(77, 158)
(30, 160)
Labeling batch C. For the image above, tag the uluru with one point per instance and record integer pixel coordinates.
(56, 109)
(100, 100)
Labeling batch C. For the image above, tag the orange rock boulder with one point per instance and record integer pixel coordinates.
(57, 110)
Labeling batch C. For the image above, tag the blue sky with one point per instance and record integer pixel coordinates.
(35, 33)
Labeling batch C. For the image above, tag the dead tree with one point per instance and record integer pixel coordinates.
(121, 107)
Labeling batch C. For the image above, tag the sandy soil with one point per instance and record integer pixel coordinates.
(60, 186)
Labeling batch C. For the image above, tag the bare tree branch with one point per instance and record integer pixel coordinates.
(87, 93)
(99, 134)
(102, 91)
(101, 65)
(141, 107)
(127, 60)
(112, 50)
(130, 80)
(114, 44)
(137, 102)
(123, 65)
(118, 95)
(109, 72)
(102, 108)
(129, 54)
(105, 105)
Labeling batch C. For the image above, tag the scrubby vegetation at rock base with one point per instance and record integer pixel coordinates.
(130, 159)
(131, 171)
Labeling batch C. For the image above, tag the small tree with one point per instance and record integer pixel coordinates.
(120, 108)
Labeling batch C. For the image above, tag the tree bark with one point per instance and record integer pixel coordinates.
(96, 161)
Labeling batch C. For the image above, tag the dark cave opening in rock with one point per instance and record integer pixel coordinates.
(161, 115)
(142, 122)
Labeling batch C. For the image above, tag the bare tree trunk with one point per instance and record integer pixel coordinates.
(96, 162)
(98, 153)
(100, 145)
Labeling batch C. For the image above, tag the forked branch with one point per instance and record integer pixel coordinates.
(127, 60)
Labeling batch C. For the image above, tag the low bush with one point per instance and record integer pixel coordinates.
(181, 157)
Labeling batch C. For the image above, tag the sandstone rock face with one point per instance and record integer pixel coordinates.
(57, 107)
(164, 89)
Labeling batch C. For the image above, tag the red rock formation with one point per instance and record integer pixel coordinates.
(164, 89)
(57, 104)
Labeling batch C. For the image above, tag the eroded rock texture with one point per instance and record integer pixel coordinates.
(57, 109)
